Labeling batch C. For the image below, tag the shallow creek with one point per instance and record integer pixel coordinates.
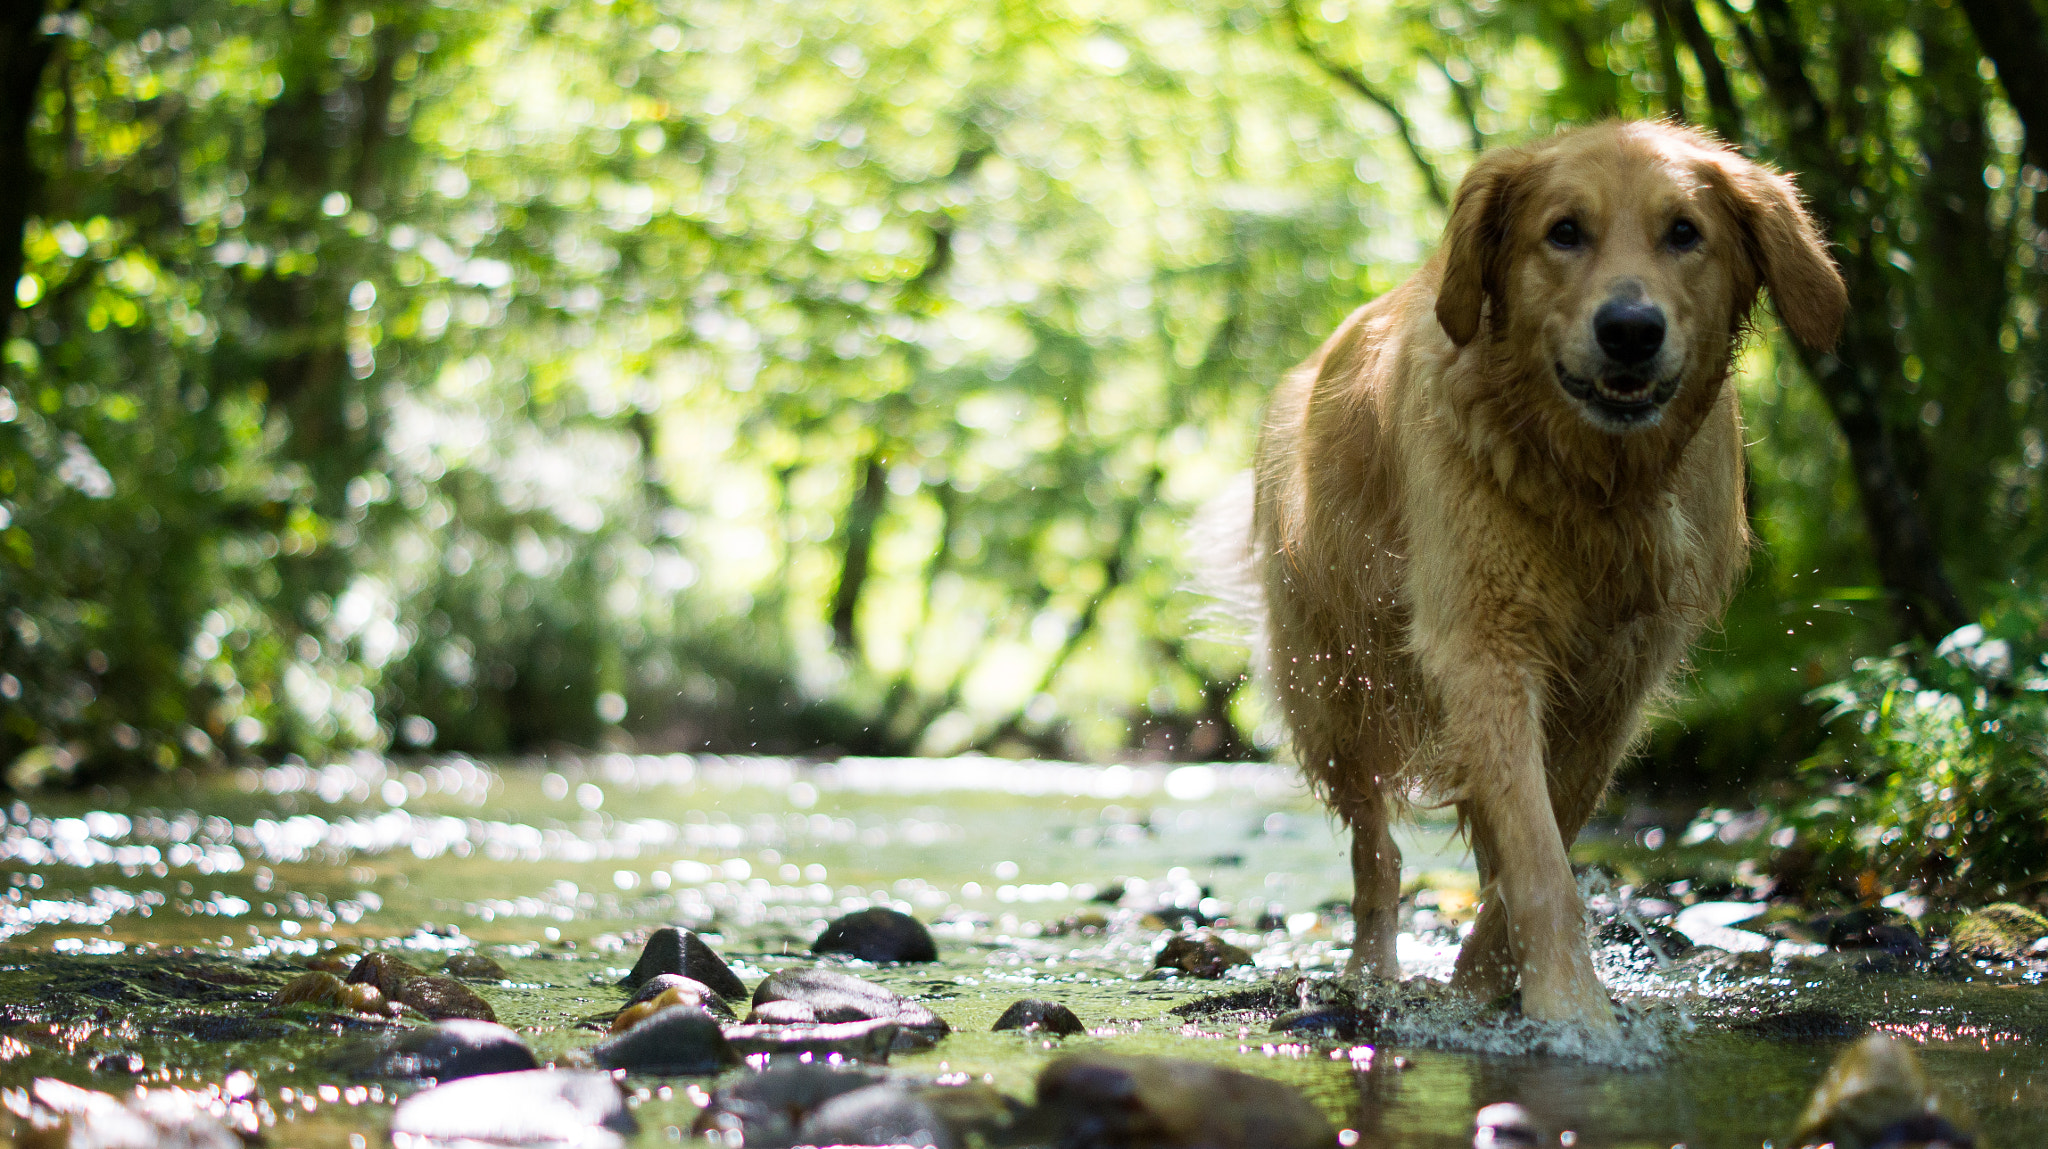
(143, 932)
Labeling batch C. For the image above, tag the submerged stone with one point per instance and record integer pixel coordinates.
(387, 973)
(1876, 1094)
(680, 1039)
(839, 997)
(1340, 1021)
(444, 997)
(1107, 1101)
(670, 950)
(1805, 1025)
(1200, 954)
(869, 1041)
(534, 1107)
(475, 967)
(1505, 1125)
(451, 1049)
(878, 934)
(324, 989)
(884, 1114)
(56, 1115)
(2001, 932)
(1042, 1016)
(767, 1109)
(685, 988)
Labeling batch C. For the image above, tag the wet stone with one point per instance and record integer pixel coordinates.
(1876, 1094)
(878, 935)
(1669, 942)
(229, 1027)
(839, 997)
(867, 1041)
(1049, 1017)
(782, 1013)
(451, 1049)
(534, 1107)
(670, 950)
(679, 1040)
(1862, 929)
(2002, 932)
(688, 990)
(1105, 1101)
(1200, 954)
(1805, 1025)
(768, 1108)
(884, 1114)
(1505, 1125)
(387, 973)
(474, 967)
(61, 1116)
(1342, 1022)
(444, 997)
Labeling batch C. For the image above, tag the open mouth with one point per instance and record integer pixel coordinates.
(1621, 398)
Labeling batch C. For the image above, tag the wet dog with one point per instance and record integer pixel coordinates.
(1494, 510)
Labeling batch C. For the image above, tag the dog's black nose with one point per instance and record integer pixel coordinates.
(1629, 332)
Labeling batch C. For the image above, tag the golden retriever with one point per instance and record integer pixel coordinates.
(1495, 508)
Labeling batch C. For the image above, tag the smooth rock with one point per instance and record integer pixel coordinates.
(444, 997)
(836, 997)
(1106, 1101)
(1340, 1021)
(1876, 1094)
(782, 1013)
(688, 987)
(1042, 1016)
(670, 950)
(2001, 932)
(387, 973)
(878, 935)
(767, 1108)
(63, 1116)
(1505, 1125)
(678, 1040)
(448, 1050)
(475, 967)
(1869, 929)
(1200, 954)
(869, 1041)
(884, 1114)
(537, 1107)
(325, 989)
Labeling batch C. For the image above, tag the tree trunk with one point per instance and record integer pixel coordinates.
(24, 50)
(2011, 35)
(861, 517)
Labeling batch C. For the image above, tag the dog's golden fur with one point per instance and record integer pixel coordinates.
(1475, 579)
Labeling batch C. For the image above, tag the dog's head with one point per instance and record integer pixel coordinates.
(1622, 261)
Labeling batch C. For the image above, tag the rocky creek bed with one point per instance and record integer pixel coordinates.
(1010, 953)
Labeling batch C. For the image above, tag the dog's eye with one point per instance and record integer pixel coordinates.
(1683, 235)
(1564, 233)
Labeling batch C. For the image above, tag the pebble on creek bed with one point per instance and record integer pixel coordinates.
(449, 1050)
(1876, 1094)
(384, 971)
(325, 989)
(444, 997)
(2001, 932)
(1505, 1125)
(904, 1113)
(61, 1116)
(682, 952)
(878, 935)
(839, 997)
(1100, 1099)
(865, 1041)
(474, 967)
(534, 1107)
(767, 1108)
(679, 1039)
(687, 988)
(1200, 954)
(1049, 1017)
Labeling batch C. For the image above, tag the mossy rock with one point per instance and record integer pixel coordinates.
(2004, 931)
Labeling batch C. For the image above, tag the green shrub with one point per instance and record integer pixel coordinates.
(1935, 773)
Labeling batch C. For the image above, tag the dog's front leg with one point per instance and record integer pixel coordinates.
(1493, 725)
(1376, 889)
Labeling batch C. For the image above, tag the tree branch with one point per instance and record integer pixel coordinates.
(1352, 78)
(2011, 35)
(1720, 95)
(24, 50)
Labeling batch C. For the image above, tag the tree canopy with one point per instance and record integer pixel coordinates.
(748, 373)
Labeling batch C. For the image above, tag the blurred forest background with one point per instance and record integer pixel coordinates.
(812, 376)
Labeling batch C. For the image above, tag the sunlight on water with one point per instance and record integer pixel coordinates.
(165, 917)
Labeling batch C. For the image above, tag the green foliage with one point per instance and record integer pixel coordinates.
(1937, 776)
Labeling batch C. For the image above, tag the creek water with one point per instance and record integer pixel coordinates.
(142, 930)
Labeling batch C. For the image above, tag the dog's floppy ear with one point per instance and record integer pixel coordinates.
(1474, 242)
(1787, 250)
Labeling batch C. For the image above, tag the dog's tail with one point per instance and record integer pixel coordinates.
(1222, 560)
